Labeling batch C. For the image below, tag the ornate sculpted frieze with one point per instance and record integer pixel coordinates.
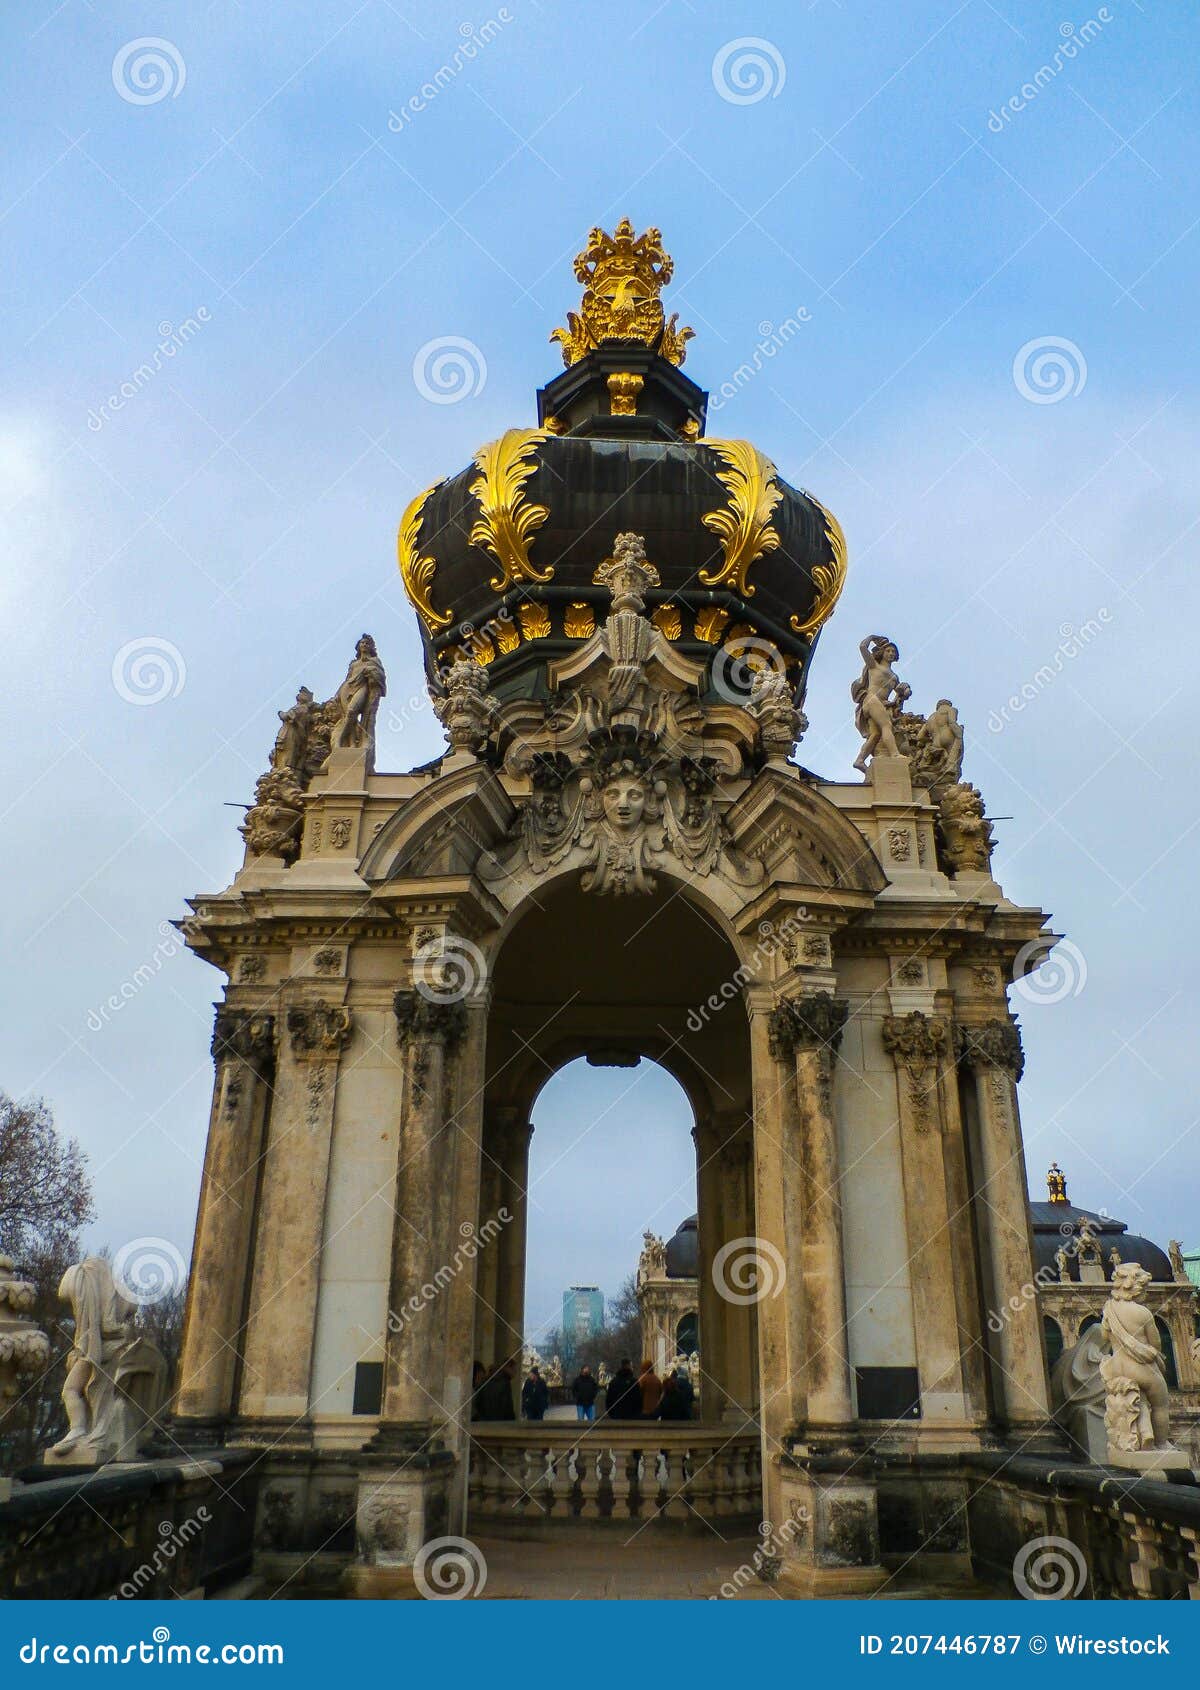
(240, 1035)
(916, 1043)
(991, 1045)
(423, 1020)
(814, 1021)
(319, 1030)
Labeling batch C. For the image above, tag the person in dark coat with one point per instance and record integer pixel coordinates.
(494, 1399)
(535, 1396)
(623, 1399)
(687, 1392)
(584, 1390)
(674, 1405)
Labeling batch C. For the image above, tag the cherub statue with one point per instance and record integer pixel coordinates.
(359, 695)
(291, 742)
(1138, 1413)
(877, 693)
(940, 747)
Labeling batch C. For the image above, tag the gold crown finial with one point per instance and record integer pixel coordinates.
(1056, 1184)
(622, 275)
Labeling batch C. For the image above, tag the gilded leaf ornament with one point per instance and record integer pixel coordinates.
(743, 526)
(507, 520)
(828, 578)
(417, 572)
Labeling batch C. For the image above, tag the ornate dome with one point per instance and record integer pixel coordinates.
(683, 1250)
(1058, 1224)
(500, 560)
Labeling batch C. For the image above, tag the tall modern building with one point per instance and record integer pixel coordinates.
(583, 1314)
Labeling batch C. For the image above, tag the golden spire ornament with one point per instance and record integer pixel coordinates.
(622, 276)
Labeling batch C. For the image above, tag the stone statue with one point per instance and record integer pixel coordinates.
(964, 832)
(359, 695)
(1178, 1265)
(1114, 1257)
(1137, 1414)
(1077, 1395)
(877, 694)
(652, 1264)
(291, 742)
(465, 711)
(1063, 1263)
(116, 1378)
(780, 723)
(24, 1348)
(273, 822)
(939, 749)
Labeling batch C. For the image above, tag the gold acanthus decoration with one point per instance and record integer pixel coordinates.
(743, 526)
(417, 572)
(623, 275)
(828, 578)
(507, 521)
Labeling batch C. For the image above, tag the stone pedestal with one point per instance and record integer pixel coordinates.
(403, 1505)
(828, 1538)
(1149, 1463)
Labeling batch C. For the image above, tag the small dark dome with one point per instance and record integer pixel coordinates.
(683, 1251)
(1055, 1225)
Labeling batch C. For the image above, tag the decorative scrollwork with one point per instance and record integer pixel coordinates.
(829, 579)
(743, 526)
(417, 572)
(507, 520)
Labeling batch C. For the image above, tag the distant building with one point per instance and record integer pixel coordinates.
(582, 1316)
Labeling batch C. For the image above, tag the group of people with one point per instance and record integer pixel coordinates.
(628, 1395)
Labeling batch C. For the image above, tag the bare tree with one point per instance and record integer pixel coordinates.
(45, 1202)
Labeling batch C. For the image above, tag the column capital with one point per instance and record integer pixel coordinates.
(243, 1035)
(813, 1021)
(319, 1031)
(423, 1020)
(992, 1044)
(915, 1040)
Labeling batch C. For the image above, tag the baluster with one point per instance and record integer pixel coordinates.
(633, 1494)
(606, 1472)
(589, 1480)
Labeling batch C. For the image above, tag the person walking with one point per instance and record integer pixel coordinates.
(651, 1387)
(494, 1398)
(535, 1396)
(584, 1390)
(687, 1392)
(674, 1405)
(623, 1399)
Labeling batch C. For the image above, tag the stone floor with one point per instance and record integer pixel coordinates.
(649, 1566)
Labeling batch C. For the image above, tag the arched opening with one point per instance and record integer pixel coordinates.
(1088, 1321)
(1168, 1349)
(687, 1334)
(1054, 1339)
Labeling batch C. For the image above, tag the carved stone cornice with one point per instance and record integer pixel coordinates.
(244, 1036)
(811, 1022)
(422, 1020)
(992, 1044)
(318, 1031)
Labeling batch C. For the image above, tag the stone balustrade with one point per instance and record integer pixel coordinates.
(546, 1474)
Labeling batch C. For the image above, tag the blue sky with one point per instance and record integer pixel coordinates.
(242, 506)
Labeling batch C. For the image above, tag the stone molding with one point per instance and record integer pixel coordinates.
(244, 1036)
(318, 1031)
(421, 1020)
(992, 1044)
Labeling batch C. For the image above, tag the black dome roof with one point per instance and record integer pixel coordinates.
(499, 559)
(683, 1250)
(1056, 1223)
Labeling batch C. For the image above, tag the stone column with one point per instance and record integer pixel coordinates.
(738, 1325)
(992, 1052)
(512, 1139)
(918, 1044)
(715, 1394)
(287, 1251)
(243, 1048)
(805, 1033)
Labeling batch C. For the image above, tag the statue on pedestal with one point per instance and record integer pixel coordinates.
(878, 694)
(116, 1378)
(1137, 1404)
(359, 695)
